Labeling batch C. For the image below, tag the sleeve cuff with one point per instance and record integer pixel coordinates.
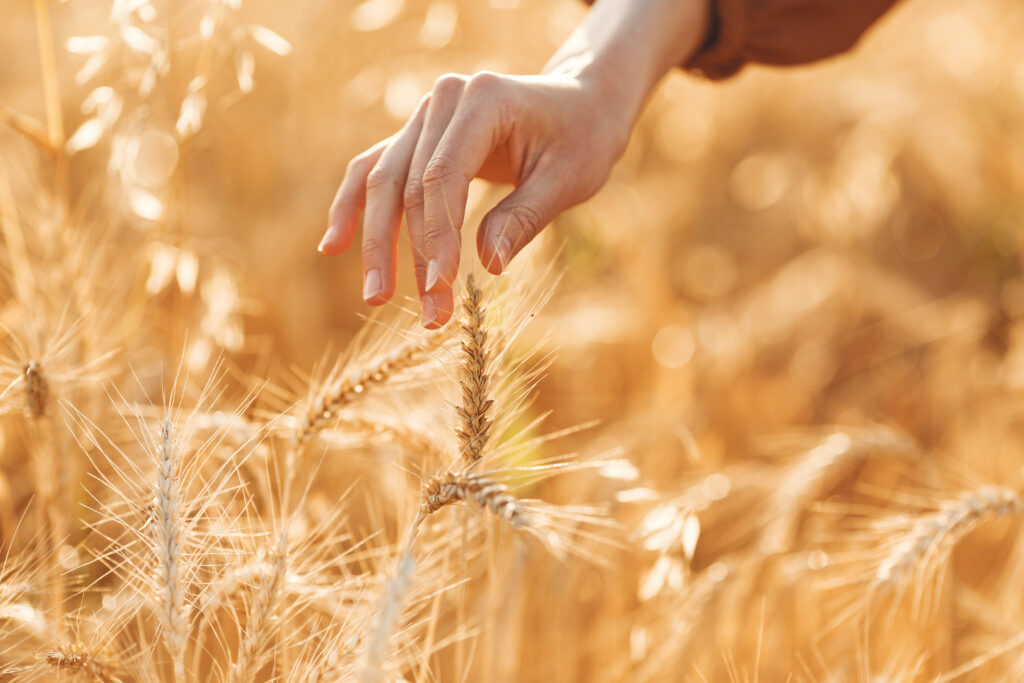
(721, 56)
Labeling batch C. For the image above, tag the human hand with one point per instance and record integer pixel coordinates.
(554, 137)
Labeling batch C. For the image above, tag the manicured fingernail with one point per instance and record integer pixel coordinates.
(433, 274)
(323, 241)
(503, 248)
(372, 285)
(429, 313)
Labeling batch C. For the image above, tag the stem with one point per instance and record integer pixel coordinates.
(51, 93)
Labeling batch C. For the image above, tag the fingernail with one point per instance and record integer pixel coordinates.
(325, 239)
(433, 274)
(372, 286)
(503, 248)
(429, 312)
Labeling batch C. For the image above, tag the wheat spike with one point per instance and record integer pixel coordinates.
(77, 658)
(453, 487)
(168, 549)
(377, 648)
(252, 653)
(943, 528)
(474, 378)
(360, 379)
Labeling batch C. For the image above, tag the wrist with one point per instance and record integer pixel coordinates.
(624, 48)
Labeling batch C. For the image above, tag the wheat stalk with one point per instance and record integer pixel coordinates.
(474, 379)
(28, 127)
(51, 96)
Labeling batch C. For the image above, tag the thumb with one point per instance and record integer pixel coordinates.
(517, 219)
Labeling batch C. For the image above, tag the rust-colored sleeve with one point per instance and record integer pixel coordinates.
(781, 32)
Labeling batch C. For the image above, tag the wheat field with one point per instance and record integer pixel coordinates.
(755, 412)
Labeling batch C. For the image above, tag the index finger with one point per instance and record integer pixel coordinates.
(477, 127)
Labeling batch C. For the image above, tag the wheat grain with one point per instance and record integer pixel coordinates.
(37, 389)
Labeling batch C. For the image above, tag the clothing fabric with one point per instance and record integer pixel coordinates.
(780, 32)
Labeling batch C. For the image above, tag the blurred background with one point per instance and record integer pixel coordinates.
(786, 253)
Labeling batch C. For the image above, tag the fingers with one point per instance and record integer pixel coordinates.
(478, 125)
(437, 308)
(343, 217)
(384, 186)
(517, 219)
(444, 98)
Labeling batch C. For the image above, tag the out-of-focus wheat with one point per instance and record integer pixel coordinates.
(753, 295)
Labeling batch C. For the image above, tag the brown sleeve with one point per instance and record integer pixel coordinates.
(781, 32)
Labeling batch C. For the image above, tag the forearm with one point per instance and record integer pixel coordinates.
(624, 47)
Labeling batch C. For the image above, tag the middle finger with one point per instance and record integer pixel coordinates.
(437, 306)
(383, 215)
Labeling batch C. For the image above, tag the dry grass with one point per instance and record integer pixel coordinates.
(794, 315)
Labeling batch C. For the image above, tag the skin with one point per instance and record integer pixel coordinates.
(553, 136)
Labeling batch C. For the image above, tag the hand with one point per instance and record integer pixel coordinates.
(554, 137)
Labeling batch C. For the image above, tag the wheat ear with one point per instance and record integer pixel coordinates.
(474, 379)
(76, 658)
(259, 623)
(378, 647)
(361, 379)
(168, 550)
(943, 528)
(453, 487)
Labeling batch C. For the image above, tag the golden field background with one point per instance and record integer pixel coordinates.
(795, 314)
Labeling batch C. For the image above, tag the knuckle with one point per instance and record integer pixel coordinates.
(381, 178)
(438, 171)
(449, 85)
(485, 83)
(357, 164)
(412, 195)
(433, 234)
(372, 247)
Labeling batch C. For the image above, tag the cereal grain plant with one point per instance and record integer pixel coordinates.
(764, 425)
